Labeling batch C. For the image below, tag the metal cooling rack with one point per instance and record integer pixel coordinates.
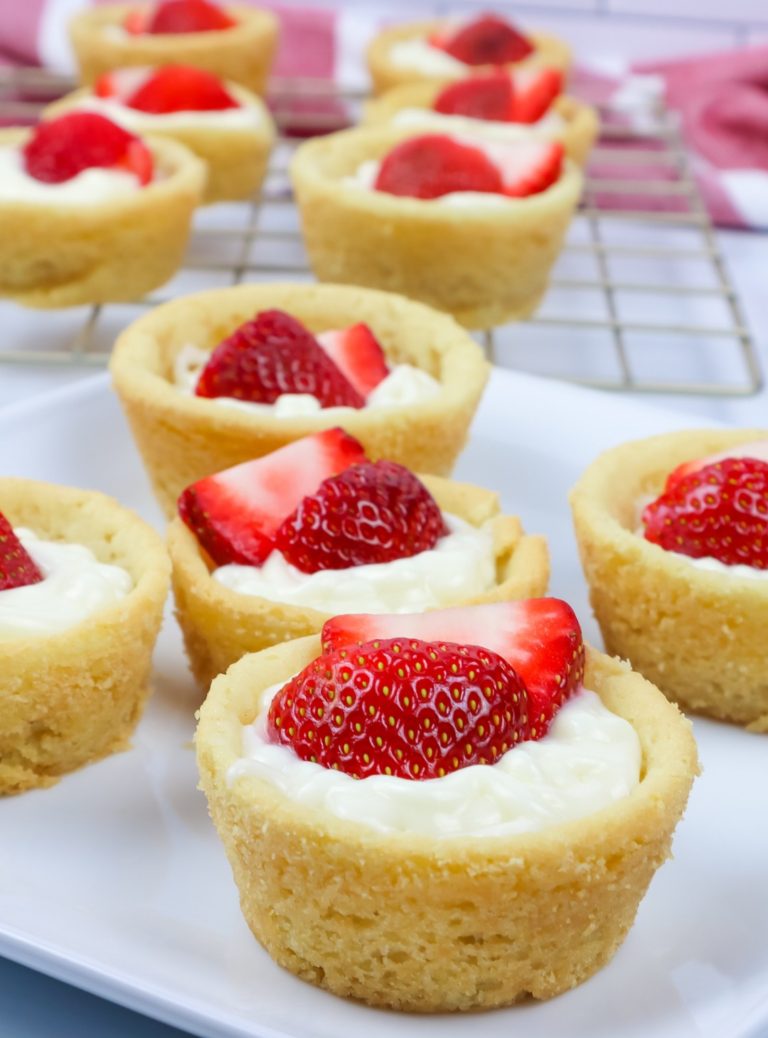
(640, 299)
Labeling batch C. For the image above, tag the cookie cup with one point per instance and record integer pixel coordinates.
(235, 157)
(423, 924)
(385, 74)
(243, 52)
(696, 633)
(578, 131)
(183, 438)
(58, 255)
(483, 259)
(75, 696)
(220, 625)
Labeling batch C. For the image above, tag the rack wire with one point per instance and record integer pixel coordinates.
(640, 299)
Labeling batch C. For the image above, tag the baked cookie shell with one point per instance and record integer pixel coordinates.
(483, 263)
(73, 697)
(414, 923)
(183, 438)
(699, 635)
(220, 625)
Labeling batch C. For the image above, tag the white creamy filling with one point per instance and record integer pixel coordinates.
(365, 175)
(420, 56)
(91, 186)
(242, 117)
(404, 385)
(75, 586)
(461, 565)
(589, 759)
(548, 126)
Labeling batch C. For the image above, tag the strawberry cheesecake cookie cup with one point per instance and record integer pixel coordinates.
(450, 49)
(82, 587)
(673, 536)
(224, 124)
(236, 43)
(269, 550)
(229, 375)
(91, 213)
(445, 811)
(466, 224)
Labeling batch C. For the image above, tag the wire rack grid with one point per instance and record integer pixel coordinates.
(640, 299)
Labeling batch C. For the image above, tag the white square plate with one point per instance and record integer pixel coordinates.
(114, 880)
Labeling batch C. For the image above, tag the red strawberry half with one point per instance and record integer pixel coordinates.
(479, 97)
(402, 707)
(183, 16)
(527, 167)
(757, 449)
(235, 514)
(535, 90)
(60, 149)
(486, 40)
(719, 511)
(271, 355)
(357, 354)
(432, 165)
(17, 568)
(181, 88)
(373, 512)
(539, 637)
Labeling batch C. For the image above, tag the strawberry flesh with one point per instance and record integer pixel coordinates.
(491, 96)
(539, 637)
(485, 40)
(757, 449)
(272, 355)
(17, 567)
(183, 16)
(402, 707)
(432, 165)
(60, 149)
(357, 354)
(535, 90)
(135, 22)
(181, 88)
(527, 167)
(719, 511)
(235, 513)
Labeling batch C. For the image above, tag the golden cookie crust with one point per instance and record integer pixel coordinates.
(578, 135)
(235, 158)
(183, 438)
(697, 634)
(73, 697)
(54, 255)
(220, 625)
(548, 50)
(426, 925)
(483, 263)
(243, 53)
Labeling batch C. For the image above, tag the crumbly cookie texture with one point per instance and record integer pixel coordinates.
(220, 625)
(697, 634)
(68, 255)
(74, 697)
(183, 438)
(482, 263)
(578, 134)
(549, 50)
(427, 925)
(243, 53)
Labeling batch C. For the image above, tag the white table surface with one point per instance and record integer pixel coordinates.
(34, 1006)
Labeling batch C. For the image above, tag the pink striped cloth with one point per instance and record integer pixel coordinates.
(722, 99)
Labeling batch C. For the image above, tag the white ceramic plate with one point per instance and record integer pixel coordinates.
(114, 880)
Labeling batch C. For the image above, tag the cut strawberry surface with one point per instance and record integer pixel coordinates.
(271, 355)
(183, 16)
(17, 567)
(486, 40)
(357, 354)
(535, 90)
(539, 637)
(60, 149)
(371, 513)
(757, 449)
(432, 165)
(719, 511)
(181, 88)
(527, 167)
(135, 22)
(480, 97)
(235, 513)
(402, 707)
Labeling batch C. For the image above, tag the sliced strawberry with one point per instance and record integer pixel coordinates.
(432, 165)
(271, 355)
(181, 88)
(490, 96)
(535, 90)
(17, 567)
(182, 16)
(357, 354)
(539, 637)
(235, 513)
(485, 40)
(719, 511)
(756, 449)
(403, 707)
(135, 22)
(106, 85)
(60, 149)
(527, 167)
(370, 513)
